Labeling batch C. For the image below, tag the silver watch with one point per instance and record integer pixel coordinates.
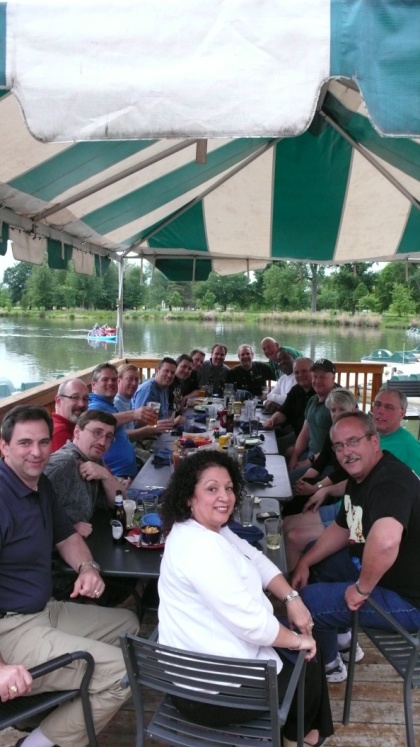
(91, 563)
(293, 595)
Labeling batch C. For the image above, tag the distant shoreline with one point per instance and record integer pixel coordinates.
(323, 318)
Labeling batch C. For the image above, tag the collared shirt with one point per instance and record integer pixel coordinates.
(149, 391)
(123, 404)
(120, 457)
(31, 523)
(252, 381)
(79, 497)
(63, 431)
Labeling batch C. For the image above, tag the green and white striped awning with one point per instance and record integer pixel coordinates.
(210, 136)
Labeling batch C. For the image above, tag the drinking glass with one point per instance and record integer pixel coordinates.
(150, 505)
(246, 510)
(273, 532)
(130, 507)
(156, 407)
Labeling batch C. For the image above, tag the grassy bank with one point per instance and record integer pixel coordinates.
(276, 317)
(324, 318)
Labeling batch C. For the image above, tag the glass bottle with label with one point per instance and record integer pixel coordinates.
(119, 520)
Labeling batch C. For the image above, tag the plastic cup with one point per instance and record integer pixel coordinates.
(156, 407)
(130, 507)
(150, 505)
(246, 510)
(273, 531)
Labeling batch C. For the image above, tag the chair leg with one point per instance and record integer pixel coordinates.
(408, 713)
(350, 669)
(301, 707)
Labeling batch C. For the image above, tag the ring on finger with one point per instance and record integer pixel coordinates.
(96, 593)
(13, 689)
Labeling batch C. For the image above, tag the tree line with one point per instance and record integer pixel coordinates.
(281, 286)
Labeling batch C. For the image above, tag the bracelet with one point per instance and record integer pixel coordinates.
(91, 563)
(359, 591)
(293, 595)
(300, 641)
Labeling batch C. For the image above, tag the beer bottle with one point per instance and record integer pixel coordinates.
(119, 520)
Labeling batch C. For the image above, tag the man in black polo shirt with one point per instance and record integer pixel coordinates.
(34, 628)
(251, 375)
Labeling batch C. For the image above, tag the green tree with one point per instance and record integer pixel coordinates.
(15, 278)
(40, 287)
(174, 298)
(402, 301)
(392, 273)
(344, 281)
(135, 288)
(284, 287)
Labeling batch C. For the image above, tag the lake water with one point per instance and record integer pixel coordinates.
(39, 350)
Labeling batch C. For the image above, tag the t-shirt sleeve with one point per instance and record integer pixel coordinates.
(62, 526)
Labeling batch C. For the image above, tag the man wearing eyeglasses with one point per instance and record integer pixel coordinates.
(388, 410)
(81, 480)
(70, 402)
(372, 547)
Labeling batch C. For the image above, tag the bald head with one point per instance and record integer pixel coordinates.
(72, 399)
(270, 348)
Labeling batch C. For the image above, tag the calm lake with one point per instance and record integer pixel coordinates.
(39, 350)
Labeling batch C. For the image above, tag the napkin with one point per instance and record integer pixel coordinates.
(162, 458)
(194, 429)
(139, 495)
(200, 417)
(255, 473)
(256, 456)
(250, 534)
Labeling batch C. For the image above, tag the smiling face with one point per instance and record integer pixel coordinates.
(323, 383)
(106, 385)
(218, 355)
(303, 373)
(213, 500)
(28, 451)
(359, 457)
(198, 360)
(183, 369)
(270, 348)
(245, 355)
(128, 382)
(165, 375)
(73, 401)
(285, 361)
(387, 413)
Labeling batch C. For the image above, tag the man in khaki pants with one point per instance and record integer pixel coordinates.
(33, 628)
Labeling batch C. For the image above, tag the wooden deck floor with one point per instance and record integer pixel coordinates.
(377, 717)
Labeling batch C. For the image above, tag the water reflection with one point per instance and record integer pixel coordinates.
(41, 349)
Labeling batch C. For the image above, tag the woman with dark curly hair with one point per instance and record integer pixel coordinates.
(212, 599)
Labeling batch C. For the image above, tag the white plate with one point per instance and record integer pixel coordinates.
(253, 441)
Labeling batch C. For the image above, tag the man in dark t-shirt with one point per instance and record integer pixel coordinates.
(250, 375)
(372, 548)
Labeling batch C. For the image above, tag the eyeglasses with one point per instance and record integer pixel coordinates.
(99, 434)
(75, 397)
(377, 405)
(352, 443)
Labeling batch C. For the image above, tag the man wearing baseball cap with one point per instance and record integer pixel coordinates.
(317, 420)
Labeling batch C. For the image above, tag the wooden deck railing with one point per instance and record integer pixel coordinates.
(364, 379)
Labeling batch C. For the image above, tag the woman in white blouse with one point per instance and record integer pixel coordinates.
(212, 599)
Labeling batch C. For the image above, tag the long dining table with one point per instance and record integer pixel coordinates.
(140, 562)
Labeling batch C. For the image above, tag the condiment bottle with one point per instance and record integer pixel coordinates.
(119, 520)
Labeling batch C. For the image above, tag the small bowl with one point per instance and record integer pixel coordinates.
(152, 520)
(150, 534)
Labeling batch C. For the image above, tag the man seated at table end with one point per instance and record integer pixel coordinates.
(34, 628)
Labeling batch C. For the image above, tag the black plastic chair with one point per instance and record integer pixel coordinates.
(239, 683)
(27, 706)
(401, 650)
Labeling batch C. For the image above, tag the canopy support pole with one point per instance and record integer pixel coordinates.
(120, 300)
(371, 159)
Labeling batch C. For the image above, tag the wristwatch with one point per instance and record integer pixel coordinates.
(293, 595)
(91, 563)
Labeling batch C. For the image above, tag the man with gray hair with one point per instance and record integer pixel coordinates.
(388, 409)
(70, 402)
